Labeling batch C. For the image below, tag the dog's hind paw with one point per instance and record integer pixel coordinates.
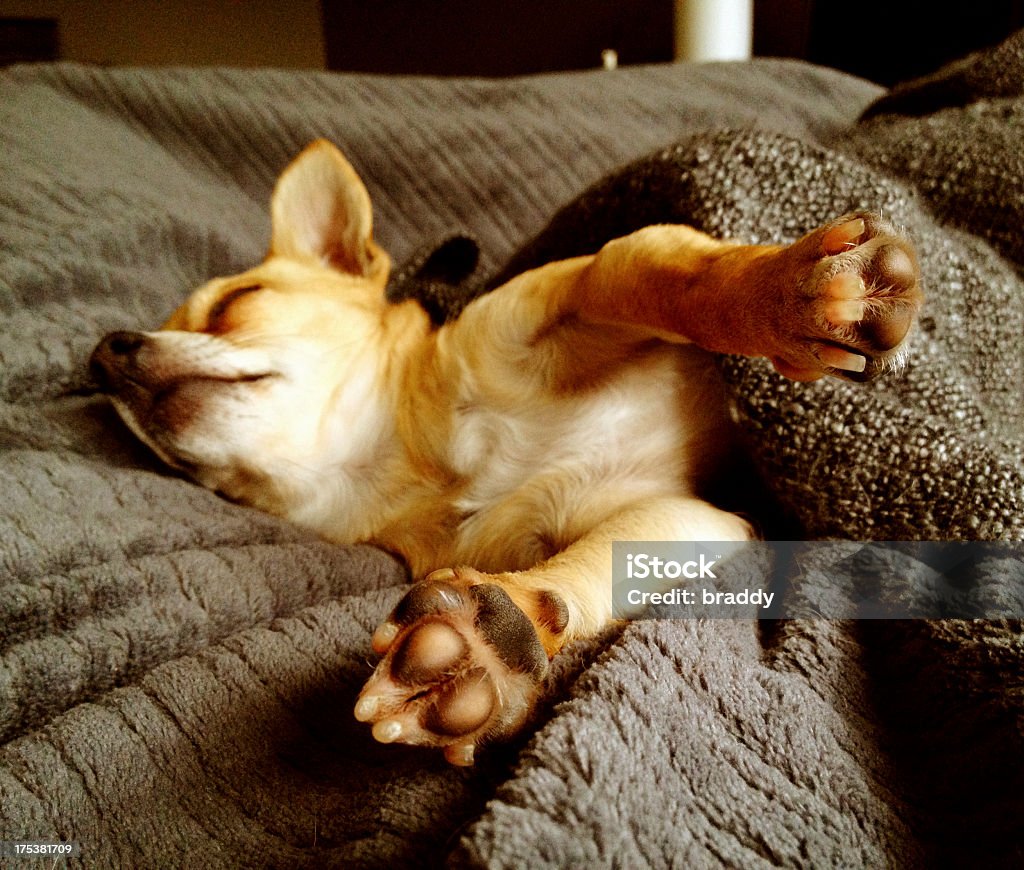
(462, 665)
(857, 297)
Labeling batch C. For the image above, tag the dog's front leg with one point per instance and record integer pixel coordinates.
(465, 652)
(838, 301)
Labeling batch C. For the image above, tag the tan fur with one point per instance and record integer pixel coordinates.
(569, 409)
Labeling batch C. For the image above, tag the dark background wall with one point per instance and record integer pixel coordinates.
(490, 37)
(884, 41)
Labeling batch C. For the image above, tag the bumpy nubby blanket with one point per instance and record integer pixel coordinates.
(177, 674)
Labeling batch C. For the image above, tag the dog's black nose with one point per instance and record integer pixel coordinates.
(114, 352)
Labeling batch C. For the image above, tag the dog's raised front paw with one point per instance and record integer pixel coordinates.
(462, 664)
(857, 296)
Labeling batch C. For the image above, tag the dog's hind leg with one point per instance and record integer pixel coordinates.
(465, 652)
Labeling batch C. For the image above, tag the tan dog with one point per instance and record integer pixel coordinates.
(502, 454)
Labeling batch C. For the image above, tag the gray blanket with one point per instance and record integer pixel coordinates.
(177, 673)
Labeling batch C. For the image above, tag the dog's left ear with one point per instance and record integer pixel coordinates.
(320, 210)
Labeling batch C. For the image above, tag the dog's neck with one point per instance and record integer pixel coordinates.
(393, 429)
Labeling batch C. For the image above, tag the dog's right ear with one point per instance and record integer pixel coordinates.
(320, 210)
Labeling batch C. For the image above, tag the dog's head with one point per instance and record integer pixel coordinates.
(263, 383)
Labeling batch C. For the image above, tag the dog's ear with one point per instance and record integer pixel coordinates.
(320, 210)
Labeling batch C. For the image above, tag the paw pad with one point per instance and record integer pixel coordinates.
(462, 664)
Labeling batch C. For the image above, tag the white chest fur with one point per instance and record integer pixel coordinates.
(538, 474)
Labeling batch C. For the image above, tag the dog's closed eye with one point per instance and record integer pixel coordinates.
(214, 320)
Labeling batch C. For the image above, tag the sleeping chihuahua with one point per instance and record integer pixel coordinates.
(501, 454)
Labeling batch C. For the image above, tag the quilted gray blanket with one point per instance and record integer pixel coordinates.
(177, 674)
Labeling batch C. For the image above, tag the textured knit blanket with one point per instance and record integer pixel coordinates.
(177, 674)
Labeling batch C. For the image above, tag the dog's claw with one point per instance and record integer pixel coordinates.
(843, 236)
(387, 731)
(837, 358)
(460, 754)
(367, 708)
(383, 637)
